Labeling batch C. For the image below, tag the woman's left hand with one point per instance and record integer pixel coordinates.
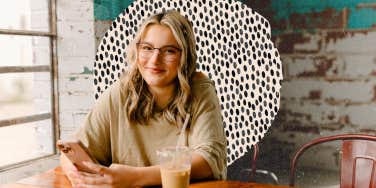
(115, 176)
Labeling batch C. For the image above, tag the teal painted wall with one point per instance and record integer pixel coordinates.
(109, 9)
(359, 17)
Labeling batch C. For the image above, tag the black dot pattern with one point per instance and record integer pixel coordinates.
(234, 49)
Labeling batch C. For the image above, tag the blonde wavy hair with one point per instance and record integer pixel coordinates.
(139, 102)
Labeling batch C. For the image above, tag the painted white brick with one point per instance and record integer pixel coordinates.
(299, 65)
(79, 117)
(312, 45)
(77, 84)
(359, 65)
(71, 11)
(354, 43)
(76, 102)
(357, 91)
(296, 89)
(72, 120)
(317, 113)
(66, 119)
(363, 115)
(353, 91)
(76, 42)
(66, 133)
(75, 29)
(76, 47)
(359, 116)
(313, 65)
(76, 66)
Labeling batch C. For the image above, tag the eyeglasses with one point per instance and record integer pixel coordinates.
(168, 53)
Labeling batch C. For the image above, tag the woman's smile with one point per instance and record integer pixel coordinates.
(155, 70)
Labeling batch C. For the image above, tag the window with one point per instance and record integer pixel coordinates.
(28, 81)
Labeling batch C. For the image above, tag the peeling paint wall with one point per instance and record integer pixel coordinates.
(76, 52)
(296, 15)
(329, 59)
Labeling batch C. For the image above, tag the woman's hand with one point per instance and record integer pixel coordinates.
(115, 176)
(68, 168)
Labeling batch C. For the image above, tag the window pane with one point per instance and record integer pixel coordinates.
(25, 15)
(26, 141)
(24, 94)
(24, 50)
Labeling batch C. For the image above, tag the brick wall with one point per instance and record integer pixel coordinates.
(329, 60)
(76, 52)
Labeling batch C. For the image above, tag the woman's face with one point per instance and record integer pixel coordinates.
(158, 56)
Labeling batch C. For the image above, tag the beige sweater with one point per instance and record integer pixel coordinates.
(111, 139)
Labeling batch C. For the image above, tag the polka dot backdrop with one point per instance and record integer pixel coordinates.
(234, 49)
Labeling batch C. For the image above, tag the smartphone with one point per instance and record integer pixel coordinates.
(77, 153)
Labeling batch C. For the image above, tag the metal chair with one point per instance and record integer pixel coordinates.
(245, 169)
(260, 172)
(358, 163)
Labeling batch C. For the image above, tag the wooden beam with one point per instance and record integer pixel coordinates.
(24, 119)
(17, 69)
(54, 75)
(26, 33)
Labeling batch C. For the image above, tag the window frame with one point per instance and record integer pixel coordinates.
(52, 68)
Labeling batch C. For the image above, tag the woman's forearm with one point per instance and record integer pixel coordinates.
(200, 168)
(147, 176)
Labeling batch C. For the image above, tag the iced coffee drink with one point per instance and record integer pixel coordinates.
(175, 164)
(178, 178)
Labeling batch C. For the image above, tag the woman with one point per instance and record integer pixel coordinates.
(144, 111)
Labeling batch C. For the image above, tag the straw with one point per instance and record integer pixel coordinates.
(182, 131)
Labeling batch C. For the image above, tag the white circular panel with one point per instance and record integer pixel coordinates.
(234, 49)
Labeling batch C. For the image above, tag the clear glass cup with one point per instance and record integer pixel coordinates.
(175, 165)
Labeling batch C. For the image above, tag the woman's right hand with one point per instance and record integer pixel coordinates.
(68, 168)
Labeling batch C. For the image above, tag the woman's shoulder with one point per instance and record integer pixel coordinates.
(201, 83)
(200, 78)
(111, 92)
(204, 95)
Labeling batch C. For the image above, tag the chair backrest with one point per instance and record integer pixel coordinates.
(254, 171)
(357, 163)
(254, 161)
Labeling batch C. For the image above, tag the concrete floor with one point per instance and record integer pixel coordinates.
(305, 176)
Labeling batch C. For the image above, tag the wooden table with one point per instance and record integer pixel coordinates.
(55, 178)
(233, 184)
